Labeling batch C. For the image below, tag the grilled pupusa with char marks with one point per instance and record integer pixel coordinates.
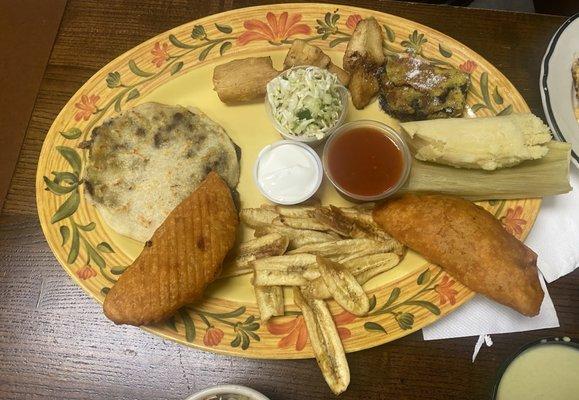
(144, 161)
(412, 89)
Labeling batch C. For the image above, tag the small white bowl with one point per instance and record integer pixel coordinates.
(228, 389)
(312, 141)
(299, 194)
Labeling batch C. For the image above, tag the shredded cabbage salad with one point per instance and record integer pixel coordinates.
(305, 101)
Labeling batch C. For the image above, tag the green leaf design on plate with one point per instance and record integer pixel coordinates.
(231, 314)
(113, 79)
(71, 134)
(236, 340)
(424, 277)
(425, 304)
(198, 32)
(104, 247)
(58, 189)
(203, 55)
(72, 157)
(94, 255)
(138, 71)
(74, 246)
(339, 40)
(374, 327)
(328, 18)
(176, 67)
(390, 34)
(335, 18)
(105, 290)
(484, 87)
(444, 51)
(64, 234)
(506, 111)
(224, 47)
(88, 227)
(244, 340)
(133, 94)
(224, 28)
(171, 324)
(477, 106)
(68, 177)
(393, 297)
(405, 320)
(118, 104)
(372, 302)
(189, 325)
(67, 208)
(497, 96)
(119, 269)
(177, 43)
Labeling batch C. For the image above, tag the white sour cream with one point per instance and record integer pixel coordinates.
(288, 172)
(543, 372)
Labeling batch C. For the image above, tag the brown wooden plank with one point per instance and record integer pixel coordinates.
(27, 31)
(54, 340)
(56, 343)
(93, 33)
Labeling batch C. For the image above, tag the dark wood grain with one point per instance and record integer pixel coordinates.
(54, 340)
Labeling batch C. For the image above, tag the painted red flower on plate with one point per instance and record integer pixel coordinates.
(87, 107)
(160, 54)
(212, 336)
(445, 291)
(275, 30)
(513, 221)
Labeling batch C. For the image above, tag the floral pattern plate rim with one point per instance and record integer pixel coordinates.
(411, 296)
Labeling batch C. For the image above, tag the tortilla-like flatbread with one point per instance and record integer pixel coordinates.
(146, 160)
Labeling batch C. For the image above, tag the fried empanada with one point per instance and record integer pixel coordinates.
(469, 243)
(182, 258)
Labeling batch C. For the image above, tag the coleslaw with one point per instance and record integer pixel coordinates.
(305, 101)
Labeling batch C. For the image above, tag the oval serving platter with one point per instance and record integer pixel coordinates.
(176, 67)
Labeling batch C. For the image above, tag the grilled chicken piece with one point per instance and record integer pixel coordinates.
(365, 46)
(363, 58)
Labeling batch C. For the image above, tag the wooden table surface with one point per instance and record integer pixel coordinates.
(56, 343)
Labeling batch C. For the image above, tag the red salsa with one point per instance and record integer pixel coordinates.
(365, 162)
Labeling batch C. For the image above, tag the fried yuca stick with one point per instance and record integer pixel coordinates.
(325, 341)
(270, 301)
(344, 287)
(317, 288)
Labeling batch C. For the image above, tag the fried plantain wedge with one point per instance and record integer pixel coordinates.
(363, 268)
(297, 237)
(256, 217)
(325, 341)
(270, 245)
(287, 270)
(343, 286)
(348, 249)
(270, 301)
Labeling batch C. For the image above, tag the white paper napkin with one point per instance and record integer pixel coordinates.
(555, 238)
